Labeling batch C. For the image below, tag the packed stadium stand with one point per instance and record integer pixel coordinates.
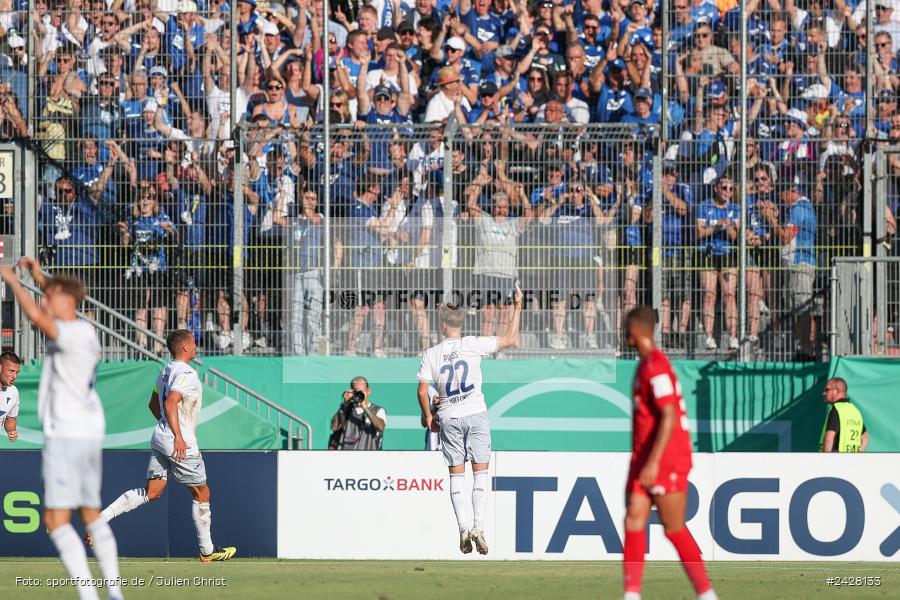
(595, 151)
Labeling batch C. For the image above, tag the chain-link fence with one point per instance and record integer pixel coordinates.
(710, 161)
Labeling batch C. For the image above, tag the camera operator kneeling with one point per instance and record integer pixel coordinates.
(358, 424)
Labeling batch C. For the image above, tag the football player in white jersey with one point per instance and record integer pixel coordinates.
(176, 402)
(454, 367)
(73, 426)
(9, 394)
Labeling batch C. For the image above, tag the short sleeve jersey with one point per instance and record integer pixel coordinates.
(9, 403)
(656, 385)
(68, 404)
(454, 367)
(182, 378)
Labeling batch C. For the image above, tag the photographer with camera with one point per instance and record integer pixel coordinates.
(358, 424)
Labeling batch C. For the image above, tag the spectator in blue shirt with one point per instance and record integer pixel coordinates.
(677, 204)
(614, 101)
(718, 222)
(146, 233)
(797, 233)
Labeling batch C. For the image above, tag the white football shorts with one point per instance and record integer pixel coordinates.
(191, 471)
(466, 439)
(72, 470)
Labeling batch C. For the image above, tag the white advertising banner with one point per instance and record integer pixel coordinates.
(570, 506)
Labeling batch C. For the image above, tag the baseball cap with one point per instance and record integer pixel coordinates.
(385, 33)
(641, 2)
(601, 176)
(405, 26)
(886, 95)
(250, 2)
(715, 89)
(15, 41)
(816, 91)
(796, 116)
(487, 88)
(383, 91)
(548, 3)
(456, 43)
(643, 93)
(505, 51)
(187, 6)
(150, 105)
(159, 71)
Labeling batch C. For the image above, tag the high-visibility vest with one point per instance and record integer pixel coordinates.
(850, 435)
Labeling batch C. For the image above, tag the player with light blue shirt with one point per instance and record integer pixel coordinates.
(454, 367)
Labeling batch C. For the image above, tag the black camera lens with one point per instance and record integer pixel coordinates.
(357, 397)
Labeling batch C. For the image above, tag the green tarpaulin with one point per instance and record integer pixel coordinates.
(874, 386)
(125, 390)
(561, 405)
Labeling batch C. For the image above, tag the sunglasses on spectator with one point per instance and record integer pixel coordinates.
(538, 78)
(590, 28)
(335, 104)
(65, 190)
(762, 179)
(449, 49)
(110, 22)
(884, 44)
(107, 82)
(704, 34)
(843, 125)
(726, 187)
(274, 86)
(332, 41)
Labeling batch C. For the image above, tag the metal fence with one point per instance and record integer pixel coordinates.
(181, 168)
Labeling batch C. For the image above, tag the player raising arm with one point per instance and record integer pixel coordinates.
(73, 425)
(176, 402)
(660, 461)
(454, 365)
(9, 394)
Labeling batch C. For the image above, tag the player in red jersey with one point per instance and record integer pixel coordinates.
(660, 461)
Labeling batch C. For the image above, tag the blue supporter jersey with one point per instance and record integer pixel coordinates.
(192, 211)
(756, 222)
(380, 136)
(71, 230)
(673, 224)
(593, 53)
(575, 234)
(612, 105)
(148, 239)
(488, 28)
(710, 213)
(308, 244)
(802, 220)
(362, 244)
(343, 182)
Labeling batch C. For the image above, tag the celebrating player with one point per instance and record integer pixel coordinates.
(73, 423)
(660, 461)
(9, 395)
(454, 365)
(176, 402)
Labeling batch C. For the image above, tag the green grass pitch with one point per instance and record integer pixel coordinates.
(428, 580)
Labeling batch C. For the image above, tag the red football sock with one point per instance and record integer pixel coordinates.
(689, 553)
(633, 559)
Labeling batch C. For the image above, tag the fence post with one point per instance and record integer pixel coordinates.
(237, 304)
(656, 246)
(449, 223)
(879, 200)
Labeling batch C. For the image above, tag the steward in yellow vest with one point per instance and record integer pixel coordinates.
(844, 430)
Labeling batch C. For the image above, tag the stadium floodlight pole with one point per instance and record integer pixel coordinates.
(326, 127)
(742, 230)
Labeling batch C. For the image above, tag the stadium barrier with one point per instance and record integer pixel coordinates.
(163, 528)
(544, 506)
(554, 506)
(575, 405)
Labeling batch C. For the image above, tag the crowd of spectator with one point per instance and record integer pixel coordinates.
(560, 108)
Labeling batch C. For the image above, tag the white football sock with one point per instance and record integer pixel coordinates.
(74, 557)
(457, 483)
(130, 500)
(107, 553)
(479, 497)
(632, 596)
(708, 595)
(203, 522)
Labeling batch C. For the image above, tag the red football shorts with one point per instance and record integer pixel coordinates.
(669, 482)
